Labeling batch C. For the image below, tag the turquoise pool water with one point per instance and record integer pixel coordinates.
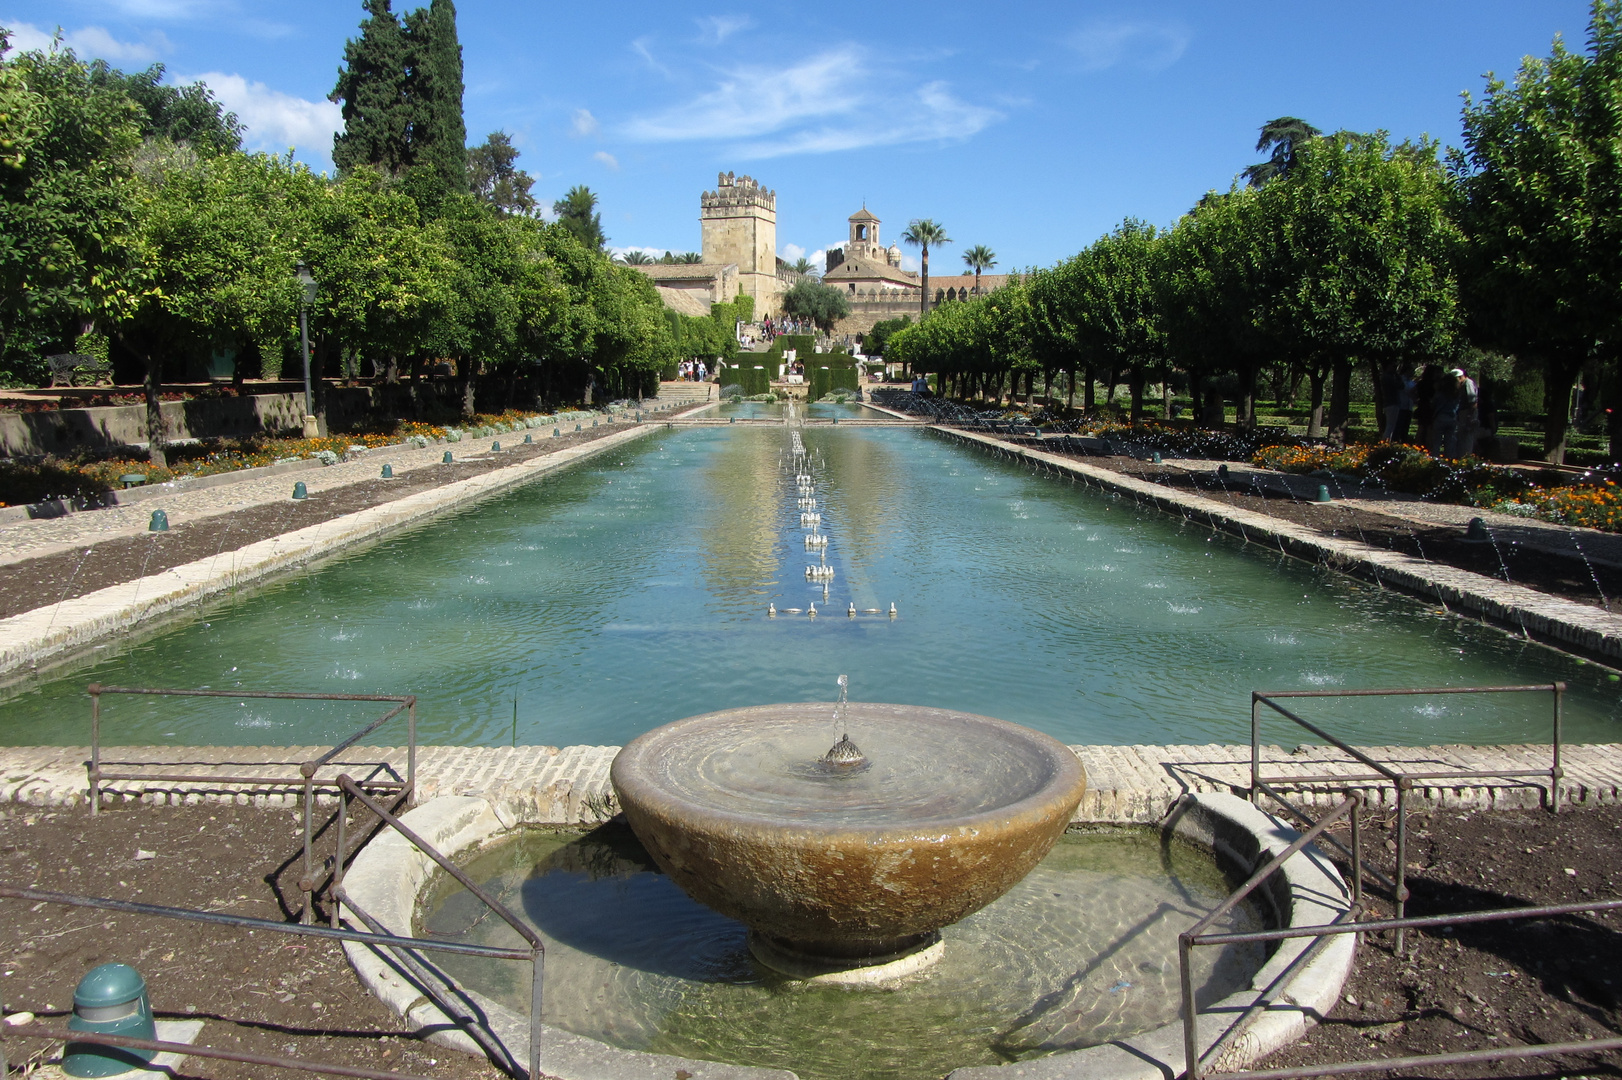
(633, 590)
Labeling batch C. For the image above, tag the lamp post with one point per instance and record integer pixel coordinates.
(308, 284)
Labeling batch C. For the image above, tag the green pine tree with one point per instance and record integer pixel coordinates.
(372, 87)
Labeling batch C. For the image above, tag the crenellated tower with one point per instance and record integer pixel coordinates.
(739, 223)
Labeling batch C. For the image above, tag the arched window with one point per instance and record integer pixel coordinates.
(861, 232)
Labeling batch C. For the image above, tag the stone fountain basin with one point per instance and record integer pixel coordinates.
(950, 812)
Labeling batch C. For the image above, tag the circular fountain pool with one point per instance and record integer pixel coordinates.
(1082, 951)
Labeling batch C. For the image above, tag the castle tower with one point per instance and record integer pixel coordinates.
(739, 223)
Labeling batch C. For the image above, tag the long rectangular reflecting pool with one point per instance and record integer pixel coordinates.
(633, 589)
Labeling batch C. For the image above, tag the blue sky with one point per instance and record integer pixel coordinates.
(1031, 128)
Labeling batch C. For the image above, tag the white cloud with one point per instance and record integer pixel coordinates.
(607, 159)
(92, 42)
(791, 252)
(582, 123)
(275, 120)
(842, 99)
(714, 29)
(1149, 46)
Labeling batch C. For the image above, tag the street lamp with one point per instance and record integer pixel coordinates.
(308, 284)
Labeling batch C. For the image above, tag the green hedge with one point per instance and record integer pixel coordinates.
(829, 378)
(747, 376)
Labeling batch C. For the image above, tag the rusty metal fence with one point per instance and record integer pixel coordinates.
(1351, 921)
(306, 779)
(402, 944)
(1401, 780)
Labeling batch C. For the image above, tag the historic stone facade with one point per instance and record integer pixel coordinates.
(708, 283)
(739, 223)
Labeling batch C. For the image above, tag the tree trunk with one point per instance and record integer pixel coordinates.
(1089, 392)
(1614, 409)
(465, 368)
(1070, 392)
(152, 387)
(1109, 393)
(1165, 395)
(1315, 422)
(1558, 376)
(1196, 395)
(1247, 399)
(1134, 380)
(923, 294)
(1340, 400)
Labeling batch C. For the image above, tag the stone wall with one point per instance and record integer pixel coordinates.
(109, 427)
(875, 306)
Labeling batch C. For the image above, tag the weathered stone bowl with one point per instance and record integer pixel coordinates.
(852, 865)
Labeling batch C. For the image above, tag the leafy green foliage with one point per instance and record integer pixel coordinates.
(494, 178)
(66, 143)
(810, 299)
(181, 114)
(577, 212)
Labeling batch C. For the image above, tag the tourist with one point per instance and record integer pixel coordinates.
(1397, 396)
(1425, 403)
(1467, 425)
(1444, 437)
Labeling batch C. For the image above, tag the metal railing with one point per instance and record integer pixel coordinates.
(248, 922)
(1402, 780)
(307, 770)
(1196, 935)
(425, 977)
(1195, 1062)
(1350, 921)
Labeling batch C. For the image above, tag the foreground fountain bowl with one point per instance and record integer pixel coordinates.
(846, 866)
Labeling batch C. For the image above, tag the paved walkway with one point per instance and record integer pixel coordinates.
(569, 785)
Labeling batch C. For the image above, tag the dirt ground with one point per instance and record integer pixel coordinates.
(1553, 980)
(68, 574)
(264, 993)
(1568, 577)
(1491, 984)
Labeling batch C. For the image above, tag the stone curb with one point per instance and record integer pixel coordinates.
(570, 785)
(384, 881)
(1548, 618)
(386, 878)
(47, 632)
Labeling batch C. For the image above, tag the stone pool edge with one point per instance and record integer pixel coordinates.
(58, 630)
(1554, 621)
(387, 877)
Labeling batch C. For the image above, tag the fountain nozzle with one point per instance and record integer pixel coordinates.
(844, 754)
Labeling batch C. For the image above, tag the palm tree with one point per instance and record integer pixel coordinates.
(979, 258)
(1283, 136)
(577, 212)
(803, 267)
(921, 233)
(635, 258)
(689, 257)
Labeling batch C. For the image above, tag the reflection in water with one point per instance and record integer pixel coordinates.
(632, 590)
(1083, 951)
(742, 524)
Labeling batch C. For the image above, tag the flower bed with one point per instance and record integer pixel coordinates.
(1468, 481)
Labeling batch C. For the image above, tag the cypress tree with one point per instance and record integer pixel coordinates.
(372, 87)
(434, 92)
